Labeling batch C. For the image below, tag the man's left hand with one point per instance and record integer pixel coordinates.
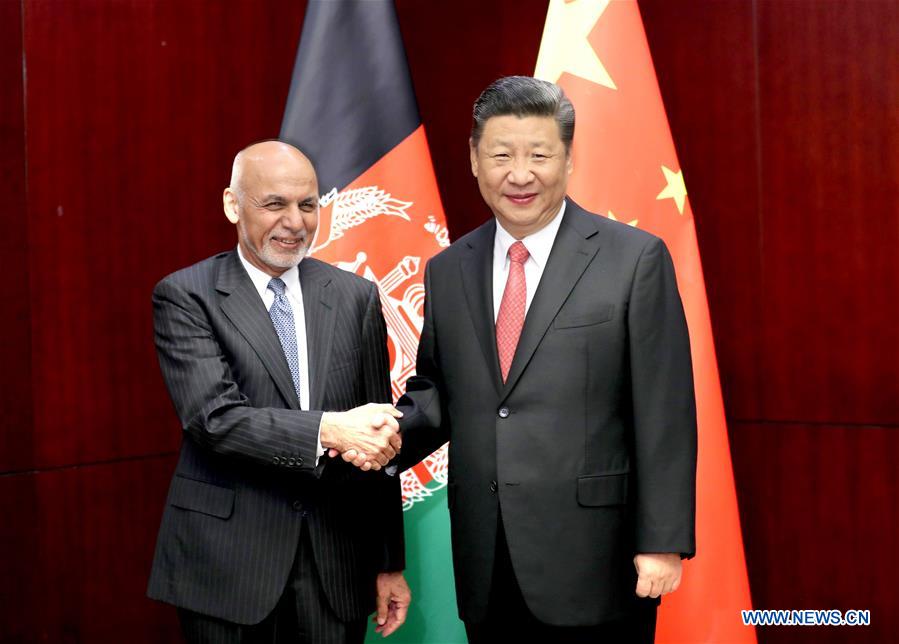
(393, 602)
(657, 573)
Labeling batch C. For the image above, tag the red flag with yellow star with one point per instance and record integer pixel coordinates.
(625, 167)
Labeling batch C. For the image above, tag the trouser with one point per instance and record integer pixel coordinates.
(509, 619)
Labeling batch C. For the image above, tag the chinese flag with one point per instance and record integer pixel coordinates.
(352, 110)
(625, 167)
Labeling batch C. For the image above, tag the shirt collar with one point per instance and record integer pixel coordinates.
(539, 244)
(260, 279)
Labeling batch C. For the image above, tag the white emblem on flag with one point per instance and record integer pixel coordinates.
(441, 234)
(351, 208)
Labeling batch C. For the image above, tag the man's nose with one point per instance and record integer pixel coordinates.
(293, 219)
(520, 173)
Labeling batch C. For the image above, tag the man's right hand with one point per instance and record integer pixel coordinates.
(370, 432)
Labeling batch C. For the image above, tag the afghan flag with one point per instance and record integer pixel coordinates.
(352, 110)
(625, 167)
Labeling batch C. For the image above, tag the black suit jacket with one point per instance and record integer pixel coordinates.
(589, 447)
(245, 480)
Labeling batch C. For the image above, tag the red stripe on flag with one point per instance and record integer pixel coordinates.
(422, 473)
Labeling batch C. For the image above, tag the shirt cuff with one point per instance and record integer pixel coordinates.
(319, 450)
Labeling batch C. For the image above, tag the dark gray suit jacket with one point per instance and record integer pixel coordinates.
(589, 447)
(245, 480)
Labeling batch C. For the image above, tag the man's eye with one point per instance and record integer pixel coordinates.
(307, 206)
(501, 156)
(540, 156)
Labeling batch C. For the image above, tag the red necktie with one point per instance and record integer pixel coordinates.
(511, 308)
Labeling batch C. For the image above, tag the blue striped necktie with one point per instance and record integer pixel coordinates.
(282, 317)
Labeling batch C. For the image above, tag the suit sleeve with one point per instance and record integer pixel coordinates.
(423, 404)
(664, 408)
(376, 366)
(212, 409)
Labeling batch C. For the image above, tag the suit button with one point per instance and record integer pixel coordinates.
(299, 461)
(291, 461)
(298, 506)
(276, 460)
(493, 487)
(504, 412)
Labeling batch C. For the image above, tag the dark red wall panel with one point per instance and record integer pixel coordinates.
(77, 546)
(829, 136)
(818, 505)
(783, 114)
(15, 329)
(134, 113)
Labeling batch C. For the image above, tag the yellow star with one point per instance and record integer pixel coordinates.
(565, 47)
(632, 222)
(675, 189)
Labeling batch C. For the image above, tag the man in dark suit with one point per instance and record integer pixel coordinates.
(555, 359)
(269, 359)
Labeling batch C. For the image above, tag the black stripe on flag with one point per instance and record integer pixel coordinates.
(351, 98)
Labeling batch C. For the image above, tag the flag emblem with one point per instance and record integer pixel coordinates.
(374, 227)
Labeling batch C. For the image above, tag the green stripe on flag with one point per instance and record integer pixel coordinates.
(433, 618)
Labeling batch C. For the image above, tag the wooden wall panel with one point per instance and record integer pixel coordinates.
(15, 338)
(77, 544)
(802, 282)
(134, 113)
(828, 95)
(709, 92)
(819, 510)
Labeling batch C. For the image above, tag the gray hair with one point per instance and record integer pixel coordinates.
(523, 96)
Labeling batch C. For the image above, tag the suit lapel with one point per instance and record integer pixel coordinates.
(245, 309)
(319, 303)
(575, 247)
(477, 280)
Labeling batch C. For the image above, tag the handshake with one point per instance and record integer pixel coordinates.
(366, 436)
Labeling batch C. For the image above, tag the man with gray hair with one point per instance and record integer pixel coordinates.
(555, 359)
(270, 358)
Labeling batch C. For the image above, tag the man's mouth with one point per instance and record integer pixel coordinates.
(522, 198)
(289, 242)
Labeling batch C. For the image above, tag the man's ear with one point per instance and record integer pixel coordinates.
(473, 152)
(229, 201)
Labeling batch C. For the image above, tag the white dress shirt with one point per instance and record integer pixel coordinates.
(294, 294)
(539, 246)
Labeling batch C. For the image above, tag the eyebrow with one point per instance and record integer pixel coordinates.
(268, 198)
(536, 143)
(280, 199)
